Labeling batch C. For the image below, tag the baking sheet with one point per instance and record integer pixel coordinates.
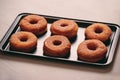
(111, 44)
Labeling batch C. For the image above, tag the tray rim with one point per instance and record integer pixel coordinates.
(113, 46)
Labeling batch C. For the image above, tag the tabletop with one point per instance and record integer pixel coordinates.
(14, 67)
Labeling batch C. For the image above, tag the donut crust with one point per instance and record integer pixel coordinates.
(64, 27)
(34, 23)
(23, 41)
(57, 46)
(98, 31)
(92, 50)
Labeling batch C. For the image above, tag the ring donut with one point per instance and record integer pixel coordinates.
(98, 31)
(64, 27)
(23, 41)
(57, 46)
(91, 50)
(34, 23)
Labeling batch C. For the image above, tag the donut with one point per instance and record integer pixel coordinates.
(64, 27)
(98, 31)
(34, 23)
(57, 46)
(92, 50)
(23, 41)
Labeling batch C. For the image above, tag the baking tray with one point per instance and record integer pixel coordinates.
(111, 44)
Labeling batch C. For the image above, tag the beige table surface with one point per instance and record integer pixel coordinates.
(22, 68)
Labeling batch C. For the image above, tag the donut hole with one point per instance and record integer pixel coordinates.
(33, 22)
(98, 30)
(64, 25)
(57, 42)
(91, 46)
(24, 39)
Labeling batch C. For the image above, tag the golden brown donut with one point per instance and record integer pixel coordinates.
(57, 46)
(23, 41)
(98, 31)
(91, 50)
(64, 27)
(34, 23)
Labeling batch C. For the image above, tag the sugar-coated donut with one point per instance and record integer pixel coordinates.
(57, 46)
(34, 23)
(98, 31)
(23, 41)
(91, 50)
(64, 27)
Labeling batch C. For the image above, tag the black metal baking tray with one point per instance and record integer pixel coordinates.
(111, 44)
